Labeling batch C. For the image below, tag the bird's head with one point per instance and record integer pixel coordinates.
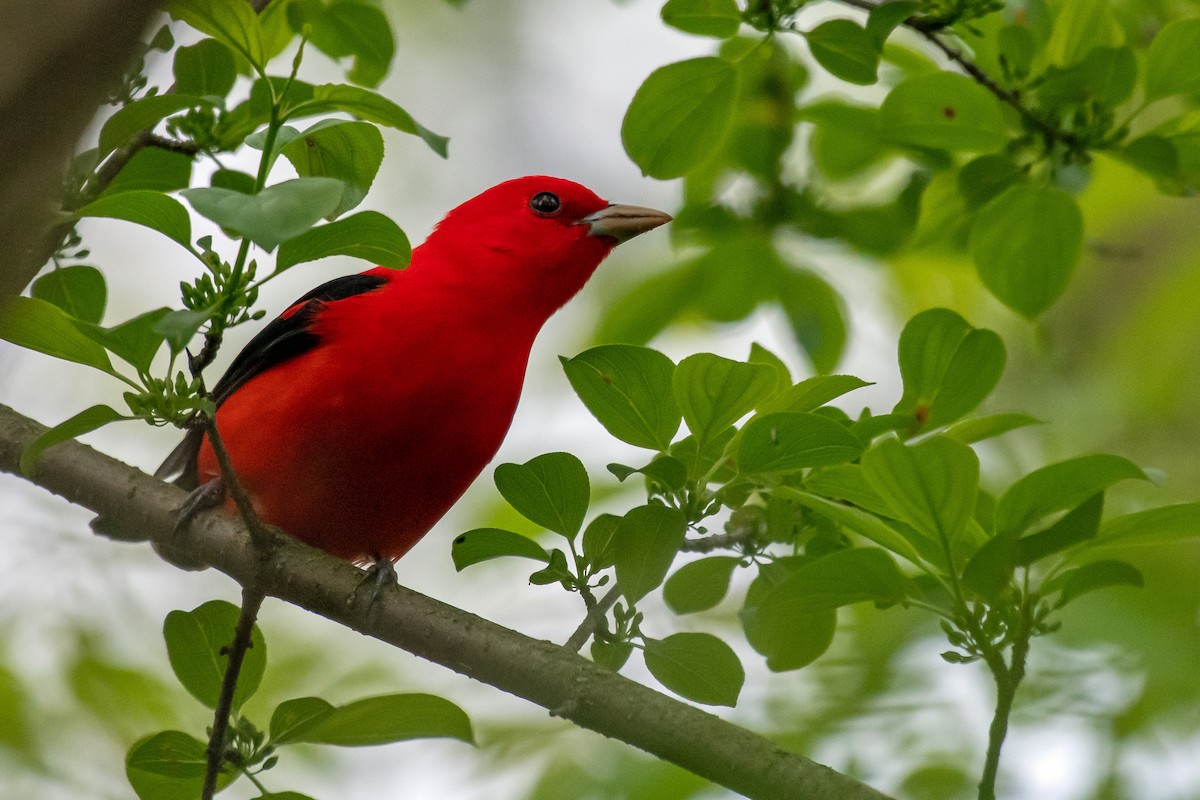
(534, 240)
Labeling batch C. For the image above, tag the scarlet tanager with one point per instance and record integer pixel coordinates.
(360, 415)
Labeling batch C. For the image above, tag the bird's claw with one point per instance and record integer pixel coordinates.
(379, 574)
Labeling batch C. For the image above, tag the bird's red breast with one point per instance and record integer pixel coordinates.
(362, 414)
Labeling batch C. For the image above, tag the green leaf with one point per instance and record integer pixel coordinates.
(556, 571)
(945, 111)
(599, 548)
(947, 366)
(1151, 528)
(275, 214)
(171, 753)
(761, 355)
(78, 290)
(1107, 76)
(231, 22)
(629, 390)
(1077, 526)
(718, 18)
(348, 151)
(369, 106)
(484, 544)
(354, 29)
(990, 570)
(1025, 244)
(976, 429)
(152, 168)
(233, 179)
(987, 176)
(145, 207)
(611, 655)
(886, 17)
(812, 393)
(551, 490)
(844, 140)
(292, 717)
(931, 485)
(791, 440)
(170, 764)
(698, 666)
(1080, 26)
(792, 624)
(195, 640)
(679, 116)
(855, 520)
(178, 327)
(85, 421)
(38, 325)
(846, 50)
(368, 235)
(141, 115)
(1098, 575)
(384, 719)
(1171, 64)
(205, 69)
(700, 461)
(814, 313)
(666, 471)
(714, 392)
(699, 585)
(1060, 486)
(645, 543)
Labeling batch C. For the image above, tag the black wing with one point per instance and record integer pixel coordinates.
(283, 339)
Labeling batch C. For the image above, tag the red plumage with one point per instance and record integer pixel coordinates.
(363, 413)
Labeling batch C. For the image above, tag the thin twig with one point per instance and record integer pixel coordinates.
(591, 623)
(236, 651)
(260, 534)
(719, 541)
(929, 28)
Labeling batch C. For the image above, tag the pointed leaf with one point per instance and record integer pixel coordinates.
(699, 585)
(78, 290)
(846, 50)
(629, 390)
(698, 666)
(931, 486)
(714, 392)
(351, 152)
(231, 22)
(1060, 486)
(855, 520)
(719, 18)
(1098, 575)
(370, 106)
(484, 544)
(551, 490)
(85, 421)
(1077, 526)
(195, 641)
(292, 717)
(1025, 244)
(388, 718)
(368, 235)
(646, 542)
(943, 110)
(38, 325)
(789, 440)
(679, 116)
(275, 214)
(1151, 528)
(145, 207)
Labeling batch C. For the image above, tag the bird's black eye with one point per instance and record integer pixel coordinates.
(546, 203)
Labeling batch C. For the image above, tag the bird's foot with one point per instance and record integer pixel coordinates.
(202, 498)
(379, 574)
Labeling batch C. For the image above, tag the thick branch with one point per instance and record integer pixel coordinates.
(541, 672)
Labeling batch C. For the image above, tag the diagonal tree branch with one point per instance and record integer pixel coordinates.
(139, 507)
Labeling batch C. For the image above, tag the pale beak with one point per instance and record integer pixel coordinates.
(623, 222)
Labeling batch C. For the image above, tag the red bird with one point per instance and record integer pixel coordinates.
(360, 415)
